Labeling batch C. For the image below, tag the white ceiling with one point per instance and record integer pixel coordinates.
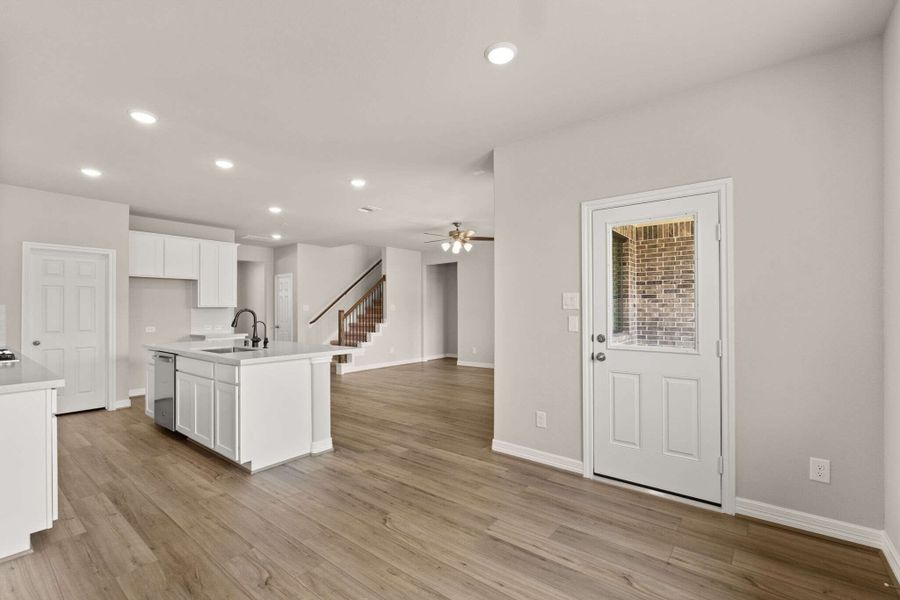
(303, 95)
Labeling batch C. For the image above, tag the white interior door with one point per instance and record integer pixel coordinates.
(284, 307)
(65, 322)
(657, 394)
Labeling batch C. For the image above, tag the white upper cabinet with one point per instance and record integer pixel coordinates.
(182, 257)
(213, 265)
(146, 254)
(217, 285)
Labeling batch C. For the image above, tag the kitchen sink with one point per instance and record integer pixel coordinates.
(230, 350)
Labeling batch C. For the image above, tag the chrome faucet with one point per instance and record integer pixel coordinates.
(255, 339)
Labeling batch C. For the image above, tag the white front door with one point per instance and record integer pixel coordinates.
(284, 307)
(657, 395)
(65, 321)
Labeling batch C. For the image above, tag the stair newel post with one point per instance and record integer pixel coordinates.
(340, 328)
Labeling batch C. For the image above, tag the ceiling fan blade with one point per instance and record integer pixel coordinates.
(434, 234)
(433, 241)
(470, 233)
(481, 238)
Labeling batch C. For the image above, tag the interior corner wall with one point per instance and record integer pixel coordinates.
(439, 311)
(29, 215)
(892, 278)
(803, 144)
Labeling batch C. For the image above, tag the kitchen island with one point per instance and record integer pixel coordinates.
(28, 500)
(258, 407)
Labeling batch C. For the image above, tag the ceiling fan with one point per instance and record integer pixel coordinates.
(459, 239)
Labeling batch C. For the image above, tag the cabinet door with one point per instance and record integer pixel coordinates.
(226, 420)
(227, 275)
(185, 394)
(145, 254)
(208, 278)
(204, 410)
(181, 257)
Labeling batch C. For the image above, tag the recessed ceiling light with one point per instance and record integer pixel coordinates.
(143, 117)
(224, 164)
(276, 236)
(274, 209)
(91, 172)
(500, 53)
(358, 182)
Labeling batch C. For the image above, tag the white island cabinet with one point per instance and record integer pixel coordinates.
(257, 407)
(28, 468)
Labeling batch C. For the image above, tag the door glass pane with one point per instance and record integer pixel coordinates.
(653, 284)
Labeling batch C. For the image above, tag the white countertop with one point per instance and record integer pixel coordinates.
(276, 352)
(26, 376)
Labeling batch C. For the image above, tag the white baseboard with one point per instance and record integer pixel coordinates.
(437, 356)
(344, 368)
(545, 458)
(891, 554)
(136, 392)
(321, 446)
(121, 404)
(480, 365)
(842, 530)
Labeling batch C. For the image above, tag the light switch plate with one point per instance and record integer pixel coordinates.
(150, 329)
(540, 419)
(570, 300)
(573, 323)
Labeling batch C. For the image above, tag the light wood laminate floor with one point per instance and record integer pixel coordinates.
(411, 505)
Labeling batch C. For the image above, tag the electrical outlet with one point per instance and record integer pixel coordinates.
(573, 323)
(820, 470)
(474, 350)
(150, 329)
(540, 419)
(306, 308)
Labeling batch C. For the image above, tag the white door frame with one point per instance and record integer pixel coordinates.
(110, 254)
(289, 276)
(722, 187)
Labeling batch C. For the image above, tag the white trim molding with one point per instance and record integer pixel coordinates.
(842, 530)
(891, 555)
(321, 446)
(556, 461)
(137, 392)
(437, 357)
(722, 187)
(344, 368)
(479, 365)
(126, 403)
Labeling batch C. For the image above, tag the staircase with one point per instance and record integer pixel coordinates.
(357, 324)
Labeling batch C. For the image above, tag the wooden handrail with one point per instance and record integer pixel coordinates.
(365, 296)
(345, 292)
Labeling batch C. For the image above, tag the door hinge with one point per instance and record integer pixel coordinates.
(721, 465)
(719, 348)
(719, 231)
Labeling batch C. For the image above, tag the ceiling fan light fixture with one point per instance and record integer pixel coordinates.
(457, 246)
(468, 246)
(445, 246)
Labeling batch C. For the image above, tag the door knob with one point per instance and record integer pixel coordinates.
(600, 357)
(36, 343)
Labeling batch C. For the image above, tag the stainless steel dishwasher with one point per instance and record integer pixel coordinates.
(164, 390)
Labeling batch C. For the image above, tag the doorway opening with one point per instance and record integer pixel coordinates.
(440, 312)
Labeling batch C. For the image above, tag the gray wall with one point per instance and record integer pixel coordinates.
(892, 278)
(164, 304)
(28, 215)
(264, 257)
(251, 293)
(475, 282)
(803, 142)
